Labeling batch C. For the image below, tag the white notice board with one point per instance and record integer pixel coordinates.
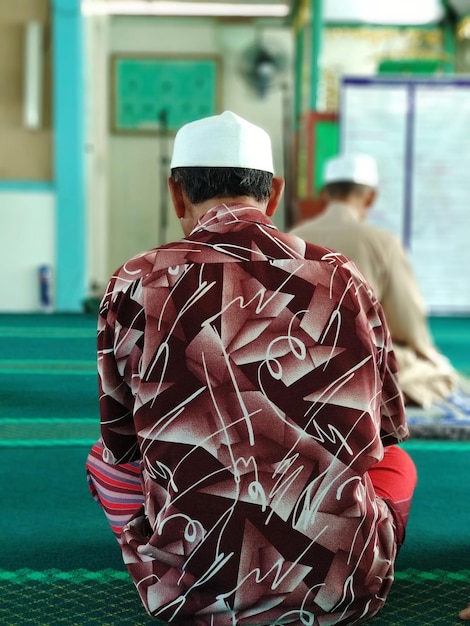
(419, 132)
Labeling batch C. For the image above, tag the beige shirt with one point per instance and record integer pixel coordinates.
(425, 375)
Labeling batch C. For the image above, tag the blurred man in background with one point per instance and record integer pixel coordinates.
(351, 184)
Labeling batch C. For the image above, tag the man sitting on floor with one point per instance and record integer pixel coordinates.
(249, 409)
(426, 377)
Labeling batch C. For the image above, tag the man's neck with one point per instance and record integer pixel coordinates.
(354, 204)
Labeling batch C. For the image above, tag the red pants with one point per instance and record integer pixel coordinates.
(394, 479)
(118, 488)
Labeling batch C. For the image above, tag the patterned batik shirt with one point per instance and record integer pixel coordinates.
(253, 375)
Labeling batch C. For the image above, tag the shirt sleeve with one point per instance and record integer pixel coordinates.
(116, 347)
(404, 305)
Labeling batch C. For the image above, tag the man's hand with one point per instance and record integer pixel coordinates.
(173, 560)
(465, 614)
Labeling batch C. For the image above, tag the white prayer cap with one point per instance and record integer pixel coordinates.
(225, 140)
(352, 168)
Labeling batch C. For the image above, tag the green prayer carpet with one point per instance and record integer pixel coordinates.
(59, 562)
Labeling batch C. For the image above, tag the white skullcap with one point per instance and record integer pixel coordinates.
(225, 140)
(352, 168)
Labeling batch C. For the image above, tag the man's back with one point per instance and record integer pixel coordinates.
(260, 369)
(340, 228)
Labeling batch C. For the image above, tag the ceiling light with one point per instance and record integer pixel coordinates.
(376, 12)
(217, 9)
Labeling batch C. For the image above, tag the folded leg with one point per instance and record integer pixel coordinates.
(116, 488)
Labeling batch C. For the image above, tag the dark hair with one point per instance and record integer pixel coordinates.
(203, 183)
(343, 189)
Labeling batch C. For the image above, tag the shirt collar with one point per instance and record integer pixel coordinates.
(222, 217)
(343, 208)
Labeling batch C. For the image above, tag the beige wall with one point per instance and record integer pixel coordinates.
(126, 194)
(24, 154)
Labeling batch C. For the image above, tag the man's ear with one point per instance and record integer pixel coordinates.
(371, 197)
(176, 194)
(324, 196)
(277, 190)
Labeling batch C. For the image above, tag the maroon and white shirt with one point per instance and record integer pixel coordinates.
(253, 375)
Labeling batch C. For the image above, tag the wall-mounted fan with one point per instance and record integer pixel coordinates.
(263, 66)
